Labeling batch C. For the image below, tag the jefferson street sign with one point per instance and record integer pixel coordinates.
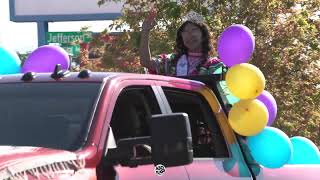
(68, 37)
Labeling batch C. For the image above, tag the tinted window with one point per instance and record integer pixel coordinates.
(207, 137)
(133, 110)
(53, 115)
(131, 118)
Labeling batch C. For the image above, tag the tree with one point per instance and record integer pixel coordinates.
(23, 56)
(287, 47)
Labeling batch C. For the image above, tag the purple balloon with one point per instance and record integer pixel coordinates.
(267, 99)
(45, 58)
(235, 45)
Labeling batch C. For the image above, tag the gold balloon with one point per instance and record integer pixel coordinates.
(245, 81)
(248, 117)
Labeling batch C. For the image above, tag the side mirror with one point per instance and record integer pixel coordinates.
(170, 144)
(171, 139)
(130, 152)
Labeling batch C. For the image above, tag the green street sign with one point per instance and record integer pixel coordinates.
(73, 50)
(68, 37)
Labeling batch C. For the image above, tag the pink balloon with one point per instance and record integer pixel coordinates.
(271, 105)
(45, 58)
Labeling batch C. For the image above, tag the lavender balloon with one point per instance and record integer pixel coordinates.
(45, 58)
(267, 99)
(235, 45)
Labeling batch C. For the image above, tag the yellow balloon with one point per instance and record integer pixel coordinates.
(245, 81)
(248, 117)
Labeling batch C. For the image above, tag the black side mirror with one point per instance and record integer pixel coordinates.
(171, 139)
(128, 152)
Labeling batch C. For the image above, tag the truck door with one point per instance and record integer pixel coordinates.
(214, 157)
(131, 118)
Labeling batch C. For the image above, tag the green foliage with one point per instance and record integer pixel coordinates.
(287, 48)
(23, 56)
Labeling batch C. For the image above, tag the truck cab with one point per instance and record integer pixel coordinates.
(107, 126)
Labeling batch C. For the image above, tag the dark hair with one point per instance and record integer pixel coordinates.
(206, 42)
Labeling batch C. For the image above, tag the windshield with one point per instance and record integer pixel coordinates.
(53, 115)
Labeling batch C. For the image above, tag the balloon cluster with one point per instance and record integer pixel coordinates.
(43, 59)
(256, 108)
(253, 115)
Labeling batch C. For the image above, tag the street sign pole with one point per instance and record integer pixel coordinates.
(42, 30)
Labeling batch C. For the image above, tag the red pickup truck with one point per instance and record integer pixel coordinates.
(93, 125)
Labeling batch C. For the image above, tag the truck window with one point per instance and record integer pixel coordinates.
(207, 138)
(132, 112)
(131, 116)
(52, 115)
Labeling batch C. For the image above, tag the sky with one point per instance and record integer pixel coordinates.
(22, 37)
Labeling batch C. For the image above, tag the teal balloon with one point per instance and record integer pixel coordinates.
(271, 148)
(9, 61)
(304, 151)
